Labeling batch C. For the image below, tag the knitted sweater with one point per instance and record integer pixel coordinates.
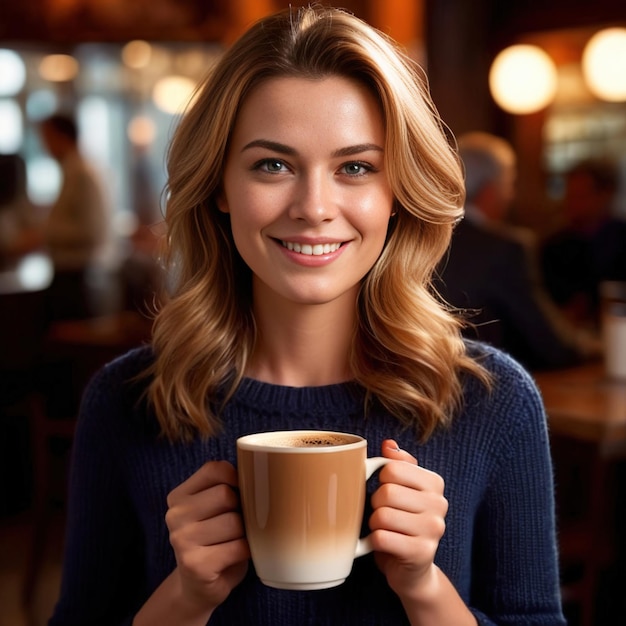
(498, 549)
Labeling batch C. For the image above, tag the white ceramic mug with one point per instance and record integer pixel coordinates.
(303, 495)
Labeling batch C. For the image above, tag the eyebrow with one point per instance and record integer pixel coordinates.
(284, 149)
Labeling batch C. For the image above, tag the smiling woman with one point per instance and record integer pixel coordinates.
(312, 192)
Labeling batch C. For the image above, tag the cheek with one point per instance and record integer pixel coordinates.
(250, 215)
(373, 216)
(253, 206)
(244, 231)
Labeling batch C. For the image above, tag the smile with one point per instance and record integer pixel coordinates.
(312, 250)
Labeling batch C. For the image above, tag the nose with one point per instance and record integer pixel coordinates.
(315, 199)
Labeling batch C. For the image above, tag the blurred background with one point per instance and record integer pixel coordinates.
(125, 70)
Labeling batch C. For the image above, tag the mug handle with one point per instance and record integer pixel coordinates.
(364, 545)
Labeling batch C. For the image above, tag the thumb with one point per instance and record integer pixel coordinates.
(390, 450)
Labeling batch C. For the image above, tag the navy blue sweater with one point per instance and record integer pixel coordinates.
(498, 549)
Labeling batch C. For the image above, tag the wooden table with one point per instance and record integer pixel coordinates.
(81, 347)
(584, 405)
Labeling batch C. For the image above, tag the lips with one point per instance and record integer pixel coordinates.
(317, 249)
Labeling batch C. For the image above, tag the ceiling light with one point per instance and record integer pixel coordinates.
(58, 67)
(604, 64)
(523, 79)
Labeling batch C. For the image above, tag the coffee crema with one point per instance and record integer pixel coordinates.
(304, 441)
(300, 439)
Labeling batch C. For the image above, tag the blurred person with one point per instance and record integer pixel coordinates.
(492, 271)
(78, 231)
(311, 193)
(591, 245)
(20, 222)
(141, 271)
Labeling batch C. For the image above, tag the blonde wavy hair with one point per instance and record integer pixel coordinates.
(407, 351)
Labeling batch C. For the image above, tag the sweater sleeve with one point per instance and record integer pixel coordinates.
(515, 577)
(102, 551)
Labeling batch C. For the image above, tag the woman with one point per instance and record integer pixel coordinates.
(312, 191)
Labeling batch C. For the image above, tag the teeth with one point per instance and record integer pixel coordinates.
(316, 250)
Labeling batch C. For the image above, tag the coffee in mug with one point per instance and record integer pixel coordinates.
(303, 495)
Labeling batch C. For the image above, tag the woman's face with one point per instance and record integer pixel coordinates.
(305, 187)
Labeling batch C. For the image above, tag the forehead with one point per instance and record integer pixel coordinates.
(284, 104)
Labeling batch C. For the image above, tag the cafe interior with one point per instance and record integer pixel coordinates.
(126, 70)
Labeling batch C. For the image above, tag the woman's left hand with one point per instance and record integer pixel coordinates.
(408, 521)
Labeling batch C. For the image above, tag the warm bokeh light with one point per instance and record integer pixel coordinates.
(58, 67)
(12, 73)
(136, 54)
(523, 79)
(604, 64)
(141, 131)
(172, 93)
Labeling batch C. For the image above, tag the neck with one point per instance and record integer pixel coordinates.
(301, 345)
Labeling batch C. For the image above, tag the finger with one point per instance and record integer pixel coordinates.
(210, 474)
(200, 506)
(412, 476)
(214, 501)
(210, 532)
(209, 561)
(394, 520)
(408, 499)
(222, 529)
(198, 537)
(428, 525)
(391, 450)
(406, 510)
(413, 550)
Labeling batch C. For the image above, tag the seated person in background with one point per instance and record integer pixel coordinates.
(491, 268)
(78, 231)
(19, 223)
(591, 246)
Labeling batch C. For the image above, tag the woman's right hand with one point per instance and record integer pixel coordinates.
(207, 535)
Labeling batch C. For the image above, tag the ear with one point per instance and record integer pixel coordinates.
(221, 202)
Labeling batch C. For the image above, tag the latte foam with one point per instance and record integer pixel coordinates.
(299, 439)
(308, 441)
